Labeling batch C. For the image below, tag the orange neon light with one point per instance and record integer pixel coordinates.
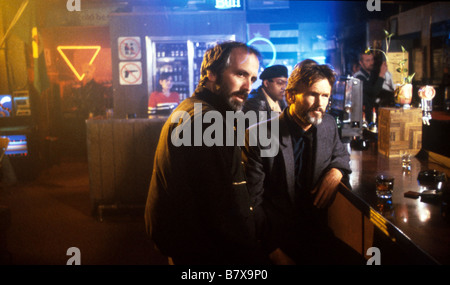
(61, 48)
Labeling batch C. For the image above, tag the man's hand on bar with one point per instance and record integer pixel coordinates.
(326, 190)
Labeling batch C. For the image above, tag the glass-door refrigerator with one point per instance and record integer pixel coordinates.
(172, 57)
(181, 57)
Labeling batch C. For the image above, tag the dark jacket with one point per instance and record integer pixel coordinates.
(198, 207)
(282, 222)
(372, 86)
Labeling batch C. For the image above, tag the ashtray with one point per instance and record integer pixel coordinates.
(431, 177)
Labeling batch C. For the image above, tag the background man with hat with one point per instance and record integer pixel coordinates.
(270, 95)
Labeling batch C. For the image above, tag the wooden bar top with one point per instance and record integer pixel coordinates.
(419, 220)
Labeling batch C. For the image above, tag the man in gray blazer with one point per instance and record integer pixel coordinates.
(293, 188)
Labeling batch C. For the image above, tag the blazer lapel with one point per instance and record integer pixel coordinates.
(320, 150)
(286, 150)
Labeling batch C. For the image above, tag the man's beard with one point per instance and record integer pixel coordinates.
(224, 92)
(234, 103)
(311, 118)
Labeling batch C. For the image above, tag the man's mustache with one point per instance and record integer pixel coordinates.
(243, 94)
(313, 109)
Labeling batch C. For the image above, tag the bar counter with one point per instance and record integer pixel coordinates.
(406, 230)
(415, 227)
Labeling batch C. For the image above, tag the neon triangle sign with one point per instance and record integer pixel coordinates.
(61, 48)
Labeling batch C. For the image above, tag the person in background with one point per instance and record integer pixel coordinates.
(92, 95)
(198, 208)
(270, 95)
(387, 98)
(355, 67)
(292, 190)
(372, 84)
(163, 95)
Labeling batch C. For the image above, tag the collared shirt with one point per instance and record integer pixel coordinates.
(273, 105)
(362, 74)
(302, 143)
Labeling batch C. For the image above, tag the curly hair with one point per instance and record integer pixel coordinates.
(308, 72)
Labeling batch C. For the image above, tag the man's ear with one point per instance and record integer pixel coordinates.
(211, 76)
(290, 97)
(265, 83)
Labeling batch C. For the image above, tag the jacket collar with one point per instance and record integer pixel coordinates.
(217, 102)
(362, 72)
(285, 136)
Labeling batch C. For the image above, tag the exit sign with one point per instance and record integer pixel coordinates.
(227, 4)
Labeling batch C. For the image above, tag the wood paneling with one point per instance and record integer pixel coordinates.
(350, 224)
(120, 159)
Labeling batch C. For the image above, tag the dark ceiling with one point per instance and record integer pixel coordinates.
(299, 11)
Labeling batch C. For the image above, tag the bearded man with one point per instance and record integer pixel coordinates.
(198, 208)
(292, 190)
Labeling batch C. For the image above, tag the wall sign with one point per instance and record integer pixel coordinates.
(228, 4)
(130, 48)
(130, 73)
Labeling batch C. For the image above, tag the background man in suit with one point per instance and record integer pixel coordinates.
(270, 95)
(293, 189)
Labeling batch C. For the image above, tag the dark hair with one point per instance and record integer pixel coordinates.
(308, 72)
(364, 53)
(217, 58)
(162, 76)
